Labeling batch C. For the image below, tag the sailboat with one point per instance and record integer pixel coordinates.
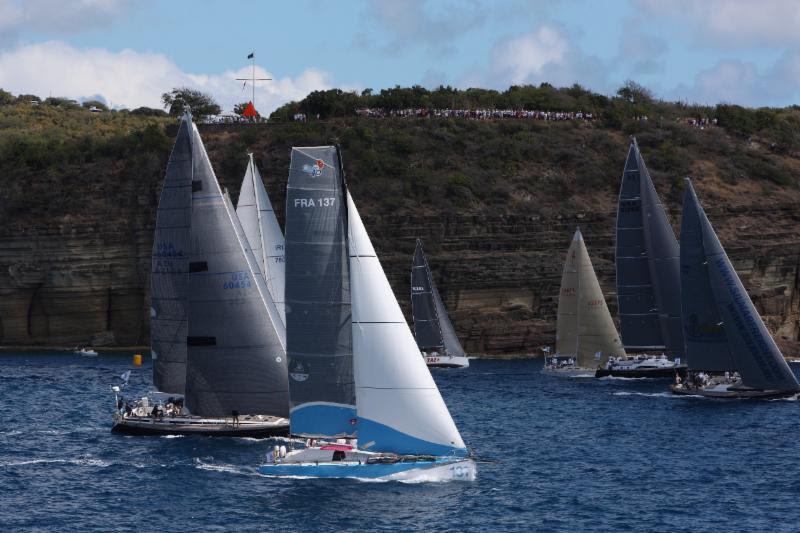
(433, 330)
(729, 351)
(648, 279)
(359, 390)
(218, 343)
(263, 232)
(585, 333)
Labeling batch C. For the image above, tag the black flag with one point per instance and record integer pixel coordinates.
(251, 55)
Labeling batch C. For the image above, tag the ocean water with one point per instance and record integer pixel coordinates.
(560, 455)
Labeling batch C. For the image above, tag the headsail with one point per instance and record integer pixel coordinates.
(722, 327)
(170, 267)
(263, 232)
(318, 309)
(584, 329)
(432, 326)
(400, 408)
(647, 261)
(236, 342)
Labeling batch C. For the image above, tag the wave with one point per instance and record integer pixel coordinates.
(172, 436)
(652, 394)
(619, 378)
(580, 376)
(81, 461)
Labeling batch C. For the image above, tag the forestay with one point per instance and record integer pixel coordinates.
(723, 330)
(647, 264)
(584, 327)
(260, 224)
(236, 355)
(400, 408)
(318, 308)
(169, 267)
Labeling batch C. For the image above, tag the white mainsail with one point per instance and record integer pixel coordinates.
(585, 329)
(260, 224)
(399, 407)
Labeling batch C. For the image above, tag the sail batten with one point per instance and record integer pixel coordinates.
(647, 261)
(722, 328)
(235, 340)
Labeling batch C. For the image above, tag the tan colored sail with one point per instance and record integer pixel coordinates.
(584, 329)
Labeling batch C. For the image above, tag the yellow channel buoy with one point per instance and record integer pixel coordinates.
(137, 359)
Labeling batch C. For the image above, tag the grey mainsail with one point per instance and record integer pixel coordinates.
(255, 212)
(235, 342)
(318, 298)
(584, 328)
(169, 268)
(722, 328)
(432, 326)
(647, 261)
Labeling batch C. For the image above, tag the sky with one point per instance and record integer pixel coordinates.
(128, 52)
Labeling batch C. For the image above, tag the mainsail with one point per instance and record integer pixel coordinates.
(400, 408)
(647, 261)
(236, 341)
(263, 232)
(722, 328)
(318, 310)
(584, 328)
(432, 326)
(169, 268)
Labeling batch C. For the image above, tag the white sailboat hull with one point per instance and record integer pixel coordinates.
(445, 361)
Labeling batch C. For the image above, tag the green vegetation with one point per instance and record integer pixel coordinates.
(202, 105)
(57, 157)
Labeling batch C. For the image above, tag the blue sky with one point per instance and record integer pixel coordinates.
(129, 52)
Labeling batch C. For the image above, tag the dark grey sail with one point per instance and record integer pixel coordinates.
(647, 261)
(432, 327)
(317, 295)
(722, 328)
(236, 357)
(170, 267)
(423, 308)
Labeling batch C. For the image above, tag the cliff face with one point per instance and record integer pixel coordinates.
(495, 205)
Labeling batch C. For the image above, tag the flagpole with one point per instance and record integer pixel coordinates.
(252, 79)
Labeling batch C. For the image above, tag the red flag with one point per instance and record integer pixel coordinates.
(250, 111)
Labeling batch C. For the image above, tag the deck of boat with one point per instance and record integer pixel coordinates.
(255, 427)
(652, 372)
(743, 394)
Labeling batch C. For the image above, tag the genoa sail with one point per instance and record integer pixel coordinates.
(260, 224)
(722, 328)
(400, 409)
(318, 300)
(169, 269)
(647, 264)
(235, 342)
(432, 326)
(584, 328)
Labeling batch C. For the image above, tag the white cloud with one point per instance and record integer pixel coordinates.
(740, 82)
(132, 79)
(545, 54)
(731, 23)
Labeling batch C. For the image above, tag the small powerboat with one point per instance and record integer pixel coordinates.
(641, 366)
(85, 351)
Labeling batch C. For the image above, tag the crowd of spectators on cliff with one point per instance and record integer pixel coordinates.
(473, 114)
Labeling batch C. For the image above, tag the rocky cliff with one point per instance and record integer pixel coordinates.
(494, 202)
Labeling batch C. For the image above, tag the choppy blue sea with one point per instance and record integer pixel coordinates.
(564, 455)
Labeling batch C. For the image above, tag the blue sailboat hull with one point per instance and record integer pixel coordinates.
(439, 469)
